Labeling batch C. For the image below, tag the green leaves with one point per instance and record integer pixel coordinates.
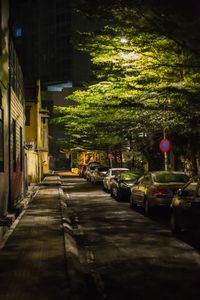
(144, 84)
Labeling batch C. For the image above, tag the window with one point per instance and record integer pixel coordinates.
(27, 113)
(198, 191)
(190, 189)
(14, 146)
(1, 141)
(147, 179)
(18, 32)
(129, 176)
(21, 150)
(170, 177)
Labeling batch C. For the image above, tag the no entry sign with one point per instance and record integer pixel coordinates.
(110, 155)
(164, 145)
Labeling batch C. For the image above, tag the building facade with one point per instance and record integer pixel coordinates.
(36, 134)
(44, 32)
(16, 127)
(12, 122)
(4, 121)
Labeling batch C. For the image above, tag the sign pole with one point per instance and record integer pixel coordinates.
(165, 153)
(111, 163)
(110, 156)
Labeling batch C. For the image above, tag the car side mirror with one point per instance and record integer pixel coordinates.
(179, 192)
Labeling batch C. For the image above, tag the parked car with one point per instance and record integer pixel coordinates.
(185, 208)
(156, 189)
(98, 175)
(120, 185)
(82, 171)
(90, 168)
(111, 174)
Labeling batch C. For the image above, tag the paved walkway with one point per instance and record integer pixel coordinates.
(32, 263)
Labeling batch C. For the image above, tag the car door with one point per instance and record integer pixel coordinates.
(138, 190)
(114, 185)
(189, 206)
(106, 178)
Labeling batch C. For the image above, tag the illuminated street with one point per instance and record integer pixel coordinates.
(99, 150)
(127, 255)
(74, 241)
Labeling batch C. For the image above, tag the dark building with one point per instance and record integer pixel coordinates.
(43, 32)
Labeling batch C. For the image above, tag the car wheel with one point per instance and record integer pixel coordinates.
(115, 193)
(111, 192)
(118, 195)
(147, 208)
(106, 189)
(132, 203)
(173, 223)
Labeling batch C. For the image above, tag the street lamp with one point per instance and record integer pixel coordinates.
(129, 56)
(123, 40)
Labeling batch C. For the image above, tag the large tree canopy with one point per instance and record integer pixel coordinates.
(178, 20)
(146, 79)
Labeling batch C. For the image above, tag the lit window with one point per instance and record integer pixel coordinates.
(28, 117)
(14, 146)
(18, 32)
(21, 149)
(1, 141)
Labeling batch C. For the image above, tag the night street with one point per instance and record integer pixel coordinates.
(128, 256)
(99, 150)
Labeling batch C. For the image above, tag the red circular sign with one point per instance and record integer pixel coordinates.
(110, 155)
(164, 145)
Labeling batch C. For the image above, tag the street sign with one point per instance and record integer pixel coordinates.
(164, 145)
(110, 155)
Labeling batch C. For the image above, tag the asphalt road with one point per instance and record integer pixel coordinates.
(127, 255)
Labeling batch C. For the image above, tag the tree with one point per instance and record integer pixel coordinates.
(149, 83)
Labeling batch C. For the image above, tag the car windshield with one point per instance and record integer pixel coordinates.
(102, 169)
(93, 167)
(170, 177)
(129, 176)
(116, 172)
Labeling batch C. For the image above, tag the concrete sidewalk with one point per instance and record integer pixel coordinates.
(32, 262)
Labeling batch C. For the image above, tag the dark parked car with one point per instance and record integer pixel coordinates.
(120, 185)
(99, 173)
(156, 189)
(82, 171)
(185, 208)
(90, 168)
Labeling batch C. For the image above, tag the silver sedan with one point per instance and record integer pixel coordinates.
(111, 174)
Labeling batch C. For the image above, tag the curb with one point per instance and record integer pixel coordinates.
(52, 180)
(76, 274)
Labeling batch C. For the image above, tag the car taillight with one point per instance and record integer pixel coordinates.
(161, 192)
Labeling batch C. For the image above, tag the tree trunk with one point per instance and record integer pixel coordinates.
(194, 162)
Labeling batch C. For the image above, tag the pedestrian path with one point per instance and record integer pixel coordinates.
(32, 263)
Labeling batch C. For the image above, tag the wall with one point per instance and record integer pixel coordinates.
(17, 176)
(4, 174)
(32, 166)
